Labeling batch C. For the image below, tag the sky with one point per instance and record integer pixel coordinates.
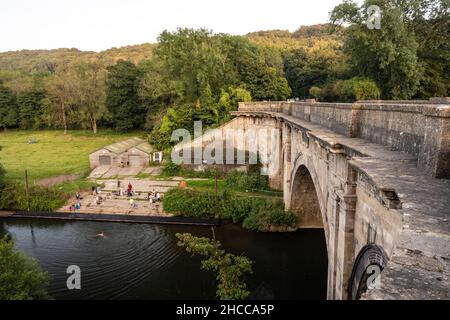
(97, 25)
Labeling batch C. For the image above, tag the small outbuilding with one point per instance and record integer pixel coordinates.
(134, 152)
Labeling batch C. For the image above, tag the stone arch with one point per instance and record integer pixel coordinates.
(306, 197)
(370, 255)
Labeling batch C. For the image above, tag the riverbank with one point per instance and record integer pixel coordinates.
(176, 220)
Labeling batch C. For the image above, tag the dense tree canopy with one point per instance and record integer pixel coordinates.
(200, 75)
(122, 97)
(8, 108)
(31, 109)
(407, 56)
(90, 94)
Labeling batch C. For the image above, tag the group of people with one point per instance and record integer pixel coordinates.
(154, 197)
(77, 204)
(130, 194)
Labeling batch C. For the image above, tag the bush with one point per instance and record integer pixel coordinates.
(282, 218)
(270, 213)
(238, 208)
(190, 203)
(252, 180)
(316, 93)
(21, 278)
(13, 197)
(347, 90)
(171, 169)
(356, 89)
(254, 213)
(253, 221)
(207, 173)
(365, 89)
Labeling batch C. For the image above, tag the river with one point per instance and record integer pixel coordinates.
(143, 261)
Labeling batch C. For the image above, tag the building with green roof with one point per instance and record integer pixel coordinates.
(131, 152)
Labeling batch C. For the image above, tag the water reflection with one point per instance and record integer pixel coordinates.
(140, 261)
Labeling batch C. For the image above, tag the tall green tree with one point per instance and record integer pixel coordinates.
(8, 108)
(387, 55)
(122, 96)
(31, 109)
(229, 101)
(21, 278)
(2, 176)
(430, 22)
(259, 70)
(157, 90)
(61, 99)
(195, 58)
(90, 93)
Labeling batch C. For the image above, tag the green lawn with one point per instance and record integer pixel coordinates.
(209, 185)
(54, 153)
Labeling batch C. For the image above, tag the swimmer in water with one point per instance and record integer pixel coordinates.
(101, 234)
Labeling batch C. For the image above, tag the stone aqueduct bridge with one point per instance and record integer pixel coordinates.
(374, 175)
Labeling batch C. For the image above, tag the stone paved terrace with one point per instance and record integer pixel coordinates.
(106, 172)
(139, 185)
(112, 204)
(418, 242)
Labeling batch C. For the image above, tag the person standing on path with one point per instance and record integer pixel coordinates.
(130, 188)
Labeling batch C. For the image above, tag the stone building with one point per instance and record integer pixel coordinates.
(135, 152)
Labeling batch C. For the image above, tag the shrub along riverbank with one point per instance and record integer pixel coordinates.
(13, 195)
(254, 213)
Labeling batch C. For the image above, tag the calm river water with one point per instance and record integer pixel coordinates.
(143, 261)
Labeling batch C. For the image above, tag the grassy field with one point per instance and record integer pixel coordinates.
(54, 153)
(209, 185)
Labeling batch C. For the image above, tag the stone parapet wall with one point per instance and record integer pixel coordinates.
(420, 128)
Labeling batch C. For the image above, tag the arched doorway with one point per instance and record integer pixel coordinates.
(304, 200)
(370, 260)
